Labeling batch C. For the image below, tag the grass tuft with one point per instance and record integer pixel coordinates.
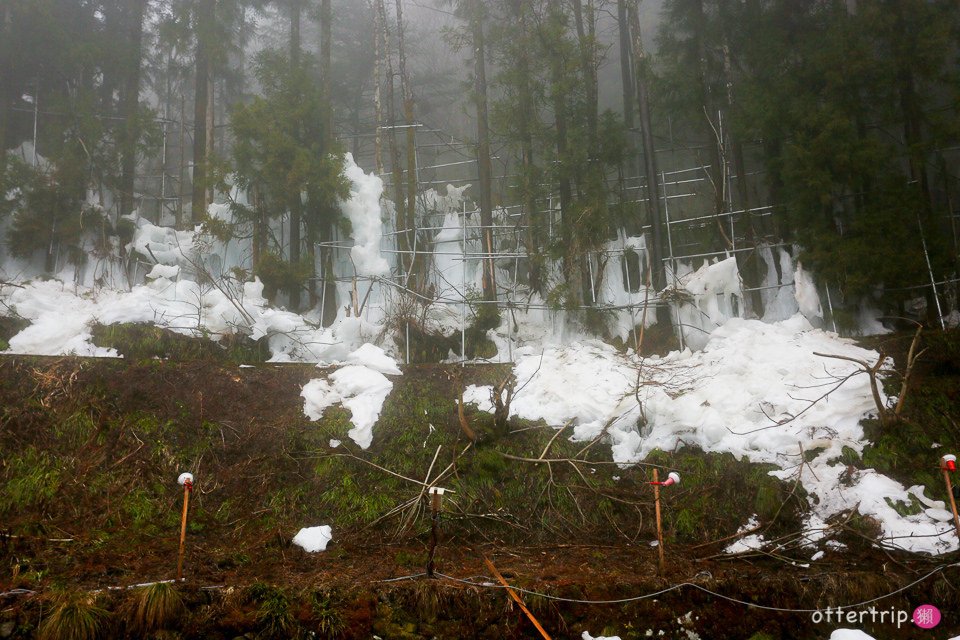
(74, 618)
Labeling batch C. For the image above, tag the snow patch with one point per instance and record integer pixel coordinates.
(313, 539)
(748, 392)
(358, 388)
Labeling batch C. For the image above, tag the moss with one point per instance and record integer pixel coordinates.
(145, 342)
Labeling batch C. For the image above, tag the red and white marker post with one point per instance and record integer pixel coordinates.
(186, 481)
(673, 478)
(948, 464)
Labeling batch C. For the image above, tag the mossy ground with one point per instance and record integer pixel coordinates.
(88, 499)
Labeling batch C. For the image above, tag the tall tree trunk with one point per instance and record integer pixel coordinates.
(131, 108)
(749, 263)
(483, 152)
(296, 204)
(525, 114)
(6, 90)
(204, 62)
(586, 28)
(411, 209)
(296, 217)
(399, 200)
(658, 277)
(571, 255)
(379, 53)
(327, 216)
(626, 80)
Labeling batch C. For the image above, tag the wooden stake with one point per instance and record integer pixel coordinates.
(516, 598)
(187, 486)
(661, 561)
(434, 522)
(953, 502)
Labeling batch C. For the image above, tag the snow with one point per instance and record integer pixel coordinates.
(163, 271)
(716, 291)
(360, 389)
(375, 358)
(752, 542)
(363, 211)
(313, 539)
(751, 391)
(850, 634)
(806, 293)
(586, 636)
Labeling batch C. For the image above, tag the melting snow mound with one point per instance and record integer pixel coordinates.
(756, 390)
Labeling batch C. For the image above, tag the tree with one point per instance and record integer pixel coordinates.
(131, 103)
(279, 150)
(484, 167)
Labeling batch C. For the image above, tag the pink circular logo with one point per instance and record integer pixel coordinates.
(926, 616)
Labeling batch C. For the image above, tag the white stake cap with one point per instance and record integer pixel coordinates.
(439, 491)
(185, 478)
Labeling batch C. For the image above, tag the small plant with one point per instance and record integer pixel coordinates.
(326, 611)
(74, 618)
(274, 614)
(158, 607)
(32, 479)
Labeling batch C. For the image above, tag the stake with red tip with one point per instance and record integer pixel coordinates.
(948, 464)
(186, 481)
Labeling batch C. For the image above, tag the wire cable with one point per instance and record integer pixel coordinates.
(676, 587)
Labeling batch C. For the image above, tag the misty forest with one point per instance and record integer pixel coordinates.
(595, 319)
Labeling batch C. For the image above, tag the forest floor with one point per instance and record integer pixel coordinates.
(89, 502)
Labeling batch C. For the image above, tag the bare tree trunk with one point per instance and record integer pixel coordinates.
(296, 204)
(5, 89)
(483, 151)
(380, 51)
(626, 79)
(204, 63)
(411, 209)
(327, 217)
(649, 154)
(586, 28)
(571, 255)
(399, 201)
(748, 263)
(524, 116)
(131, 108)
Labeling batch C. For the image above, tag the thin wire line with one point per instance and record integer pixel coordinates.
(699, 588)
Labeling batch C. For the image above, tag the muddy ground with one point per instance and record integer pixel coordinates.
(92, 449)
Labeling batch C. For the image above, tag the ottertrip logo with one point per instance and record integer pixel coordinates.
(925, 616)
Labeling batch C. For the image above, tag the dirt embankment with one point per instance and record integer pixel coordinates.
(92, 450)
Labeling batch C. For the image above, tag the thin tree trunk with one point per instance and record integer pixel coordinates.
(327, 217)
(571, 255)
(399, 201)
(588, 67)
(210, 130)
(749, 263)
(411, 209)
(649, 155)
(6, 20)
(483, 151)
(626, 79)
(201, 104)
(131, 108)
(380, 51)
(524, 116)
(296, 204)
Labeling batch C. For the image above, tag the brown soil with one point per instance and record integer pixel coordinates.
(88, 537)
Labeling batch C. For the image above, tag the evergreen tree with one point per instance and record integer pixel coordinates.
(280, 156)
